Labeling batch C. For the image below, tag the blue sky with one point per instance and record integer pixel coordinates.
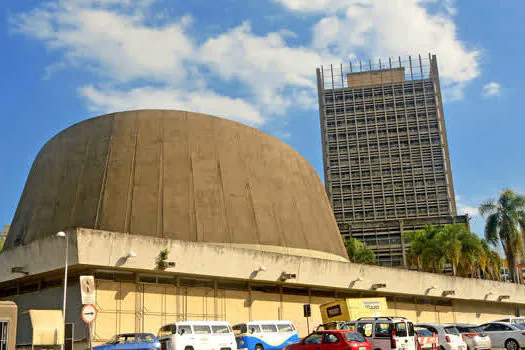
(254, 61)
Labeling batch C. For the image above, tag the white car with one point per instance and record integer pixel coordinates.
(505, 335)
(513, 320)
(448, 336)
(475, 337)
(386, 333)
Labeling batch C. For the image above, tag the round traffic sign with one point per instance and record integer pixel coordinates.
(89, 313)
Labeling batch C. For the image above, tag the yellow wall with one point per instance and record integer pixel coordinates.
(128, 307)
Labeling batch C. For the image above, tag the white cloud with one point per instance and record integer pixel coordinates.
(131, 58)
(266, 64)
(141, 58)
(492, 89)
(110, 100)
(283, 135)
(113, 41)
(465, 209)
(392, 28)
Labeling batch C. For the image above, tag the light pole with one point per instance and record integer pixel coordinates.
(62, 234)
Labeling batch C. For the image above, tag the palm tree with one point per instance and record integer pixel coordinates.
(425, 249)
(505, 219)
(470, 253)
(448, 239)
(494, 262)
(359, 253)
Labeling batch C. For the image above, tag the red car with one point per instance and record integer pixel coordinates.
(332, 340)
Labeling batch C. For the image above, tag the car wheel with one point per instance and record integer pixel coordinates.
(259, 347)
(188, 348)
(511, 344)
(441, 347)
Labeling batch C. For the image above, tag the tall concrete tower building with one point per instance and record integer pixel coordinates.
(386, 158)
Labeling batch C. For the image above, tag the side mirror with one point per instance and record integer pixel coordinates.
(182, 331)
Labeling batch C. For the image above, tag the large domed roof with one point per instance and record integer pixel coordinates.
(176, 175)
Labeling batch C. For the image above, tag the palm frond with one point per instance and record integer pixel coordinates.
(487, 208)
(491, 229)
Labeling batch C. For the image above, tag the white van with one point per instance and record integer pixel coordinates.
(387, 333)
(265, 335)
(197, 335)
(515, 320)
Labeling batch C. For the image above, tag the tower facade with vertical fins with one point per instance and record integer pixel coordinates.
(385, 151)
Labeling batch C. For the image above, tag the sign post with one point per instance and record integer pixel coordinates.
(88, 290)
(307, 311)
(89, 315)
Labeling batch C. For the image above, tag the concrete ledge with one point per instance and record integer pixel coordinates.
(109, 249)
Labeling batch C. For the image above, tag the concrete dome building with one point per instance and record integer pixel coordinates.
(177, 175)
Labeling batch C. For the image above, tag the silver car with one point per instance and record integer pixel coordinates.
(474, 336)
(448, 336)
(505, 335)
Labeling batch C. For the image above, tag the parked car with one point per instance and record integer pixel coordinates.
(474, 336)
(387, 333)
(513, 320)
(449, 337)
(332, 340)
(197, 335)
(505, 335)
(426, 340)
(131, 341)
(267, 335)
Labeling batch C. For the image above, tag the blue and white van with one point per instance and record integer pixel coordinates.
(265, 335)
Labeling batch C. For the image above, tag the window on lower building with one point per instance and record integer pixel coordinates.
(4, 331)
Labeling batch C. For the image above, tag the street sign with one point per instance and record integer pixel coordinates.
(89, 313)
(307, 311)
(87, 290)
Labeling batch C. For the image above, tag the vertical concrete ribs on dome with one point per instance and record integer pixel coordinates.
(177, 175)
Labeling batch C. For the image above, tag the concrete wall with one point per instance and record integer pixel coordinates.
(126, 307)
(108, 249)
(385, 76)
(9, 314)
(48, 299)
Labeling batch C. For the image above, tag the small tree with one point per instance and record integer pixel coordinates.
(161, 259)
(359, 253)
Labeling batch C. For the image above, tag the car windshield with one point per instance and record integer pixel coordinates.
(348, 326)
(285, 327)
(122, 339)
(451, 330)
(147, 338)
(470, 330)
(401, 329)
(202, 329)
(520, 321)
(220, 329)
(113, 339)
(423, 332)
(353, 337)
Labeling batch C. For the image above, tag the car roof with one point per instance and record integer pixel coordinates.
(269, 322)
(199, 323)
(336, 331)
